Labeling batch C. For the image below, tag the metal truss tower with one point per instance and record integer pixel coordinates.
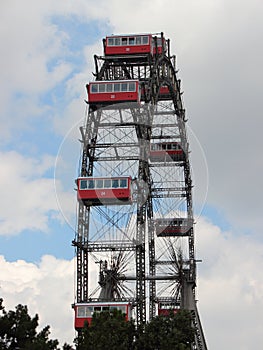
(145, 251)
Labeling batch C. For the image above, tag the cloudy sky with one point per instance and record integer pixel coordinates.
(47, 50)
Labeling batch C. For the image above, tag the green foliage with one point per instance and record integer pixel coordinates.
(108, 330)
(111, 331)
(18, 331)
(165, 333)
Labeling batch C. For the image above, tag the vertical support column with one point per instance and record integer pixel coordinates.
(82, 254)
(143, 129)
(152, 266)
(189, 303)
(151, 232)
(140, 240)
(140, 275)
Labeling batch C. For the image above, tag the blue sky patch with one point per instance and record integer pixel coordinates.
(216, 216)
(32, 245)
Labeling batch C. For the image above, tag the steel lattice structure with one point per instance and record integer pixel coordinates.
(136, 262)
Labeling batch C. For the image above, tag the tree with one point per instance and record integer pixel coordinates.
(165, 333)
(110, 330)
(18, 331)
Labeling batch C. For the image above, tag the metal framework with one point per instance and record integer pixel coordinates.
(134, 263)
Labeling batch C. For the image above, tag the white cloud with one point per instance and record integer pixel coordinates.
(29, 43)
(46, 288)
(76, 94)
(230, 288)
(37, 59)
(28, 196)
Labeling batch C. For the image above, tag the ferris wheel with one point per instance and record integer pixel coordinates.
(135, 217)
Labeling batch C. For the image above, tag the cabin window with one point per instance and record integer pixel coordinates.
(115, 183)
(124, 87)
(123, 183)
(145, 40)
(122, 309)
(167, 306)
(117, 41)
(109, 87)
(91, 184)
(138, 40)
(107, 183)
(185, 222)
(110, 41)
(84, 311)
(169, 146)
(131, 41)
(94, 88)
(83, 184)
(113, 308)
(124, 41)
(105, 308)
(81, 311)
(132, 87)
(101, 87)
(99, 183)
(117, 87)
(97, 308)
(174, 146)
(89, 311)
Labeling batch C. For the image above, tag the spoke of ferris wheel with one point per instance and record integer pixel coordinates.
(125, 289)
(168, 287)
(111, 220)
(96, 290)
(162, 246)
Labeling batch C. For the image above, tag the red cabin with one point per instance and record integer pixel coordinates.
(165, 308)
(85, 311)
(164, 93)
(114, 91)
(173, 227)
(166, 152)
(132, 44)
(104, 191)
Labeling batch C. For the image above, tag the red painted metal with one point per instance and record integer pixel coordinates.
(99, 191)
(166, 151)
(105, 92)
(133, 45)
(173, 227)
(85, 311)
